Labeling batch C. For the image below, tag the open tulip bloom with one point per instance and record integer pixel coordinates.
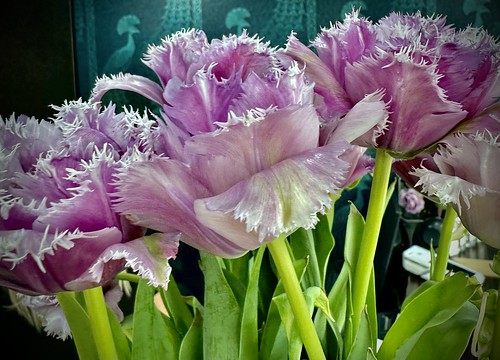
(246, 151)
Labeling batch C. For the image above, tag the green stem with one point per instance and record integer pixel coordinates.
(374, 216)
(443, 251)
(99, 322)
(77, 320)
(281, 256)
(124, 275)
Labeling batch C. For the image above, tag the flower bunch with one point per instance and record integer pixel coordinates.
(243, 159)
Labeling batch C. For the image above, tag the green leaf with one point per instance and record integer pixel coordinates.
(249, 336)
(154, 337)
(222, 314)
(433, 344)
(495, 266)
(122, 344)
(363, 340)
(192, 344)
(79, 324)
(176, 307)
(432, 307)
(340, 296)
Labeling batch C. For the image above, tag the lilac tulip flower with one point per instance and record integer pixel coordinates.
(58, 230)
(242, 156)
(430, 77)
(468, 178)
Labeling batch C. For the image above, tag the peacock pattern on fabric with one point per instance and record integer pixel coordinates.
(109, 33)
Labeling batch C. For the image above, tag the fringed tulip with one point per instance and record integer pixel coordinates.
(430, 77)
(469, 180)
(58, 229)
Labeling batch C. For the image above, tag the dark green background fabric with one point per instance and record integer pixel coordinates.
(96, 22)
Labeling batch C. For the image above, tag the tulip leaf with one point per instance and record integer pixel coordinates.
(192, 344)
(79, 323)
(249, 336)
(363, 340)
(222, 314)
(122, 344)
(314, 296)
(435, 306)
(154, 337)
(176, 307)
(432, 345)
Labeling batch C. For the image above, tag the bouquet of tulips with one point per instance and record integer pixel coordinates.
(242, 155)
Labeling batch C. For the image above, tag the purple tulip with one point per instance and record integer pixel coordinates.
(430, 77)
(469, 180)
(58, 230)
(241, 155)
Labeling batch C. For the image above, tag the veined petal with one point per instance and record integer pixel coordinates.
(242, 54)
(159, 195)
(136, 83)
(407, 87)
(279, 199)
(228, 156)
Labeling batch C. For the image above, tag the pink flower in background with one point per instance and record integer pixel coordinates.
(411, 200)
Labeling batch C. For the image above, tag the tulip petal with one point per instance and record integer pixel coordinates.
(159, 195)
(173, 57)
(198, 106)
(136, 83)
(408, 86)
(226, 157)
(279, 199)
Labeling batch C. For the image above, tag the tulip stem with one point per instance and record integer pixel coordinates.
(99, 322)
(374, 216)
(281, 256)
(444, 244)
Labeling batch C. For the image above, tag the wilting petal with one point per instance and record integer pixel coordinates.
(407, 87)
(136, 83)
(226, 157)
(147, 256)
(279, 199)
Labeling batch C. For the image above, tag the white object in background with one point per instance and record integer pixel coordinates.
(417, 260)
